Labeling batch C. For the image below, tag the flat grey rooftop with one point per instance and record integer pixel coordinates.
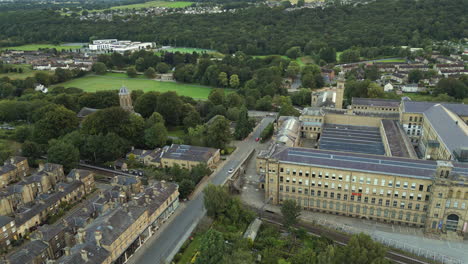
(450, 131)
(395, 138)
(422, 169)
(375, 102)
(357, 139)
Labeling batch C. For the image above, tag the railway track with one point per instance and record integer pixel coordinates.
(337, 237)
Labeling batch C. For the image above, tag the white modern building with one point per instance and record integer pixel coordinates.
(120, 46)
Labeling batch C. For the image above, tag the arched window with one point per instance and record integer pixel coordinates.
(452, 222)
(450, 194)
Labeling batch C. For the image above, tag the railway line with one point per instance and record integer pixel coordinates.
(337, 237)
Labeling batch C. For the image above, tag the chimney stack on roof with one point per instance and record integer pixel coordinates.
(67, 251)
(84, 255)
(98, 237)
(81, 236)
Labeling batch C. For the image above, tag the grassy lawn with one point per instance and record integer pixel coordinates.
(29, 47)
(177, 131)
(113, 81)
(265, 56)
(392, 60)
(176, 4)
(190, 251)
(27, 72)
(338, 54)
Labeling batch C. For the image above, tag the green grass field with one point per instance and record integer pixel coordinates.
(176, 4)
(392, 60)
(191, 50)
(29, 47)
(27, 72)
(113, 81)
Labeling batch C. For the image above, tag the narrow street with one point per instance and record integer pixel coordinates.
(167, 243)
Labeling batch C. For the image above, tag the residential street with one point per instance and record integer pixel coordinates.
(162, 248)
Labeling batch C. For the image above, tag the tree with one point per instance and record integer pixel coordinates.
(218, 133)
(63, 153)
(349, 55)
(239, 256)
(32, 150)
(192, 119)
(290, 211)
(328, 54)
(293, 69)
(234, 100)
(415, 75)
(216, 200)
(150, 73)
(22, 134)
(169, 105)
(155, 118)
(244, 125)
(131, 72)
(223, 79)
(308, 81)
(300, 3)
(234, 81)
(212, 248)
(162, 67)
(375, 91)
(287, 109)
(294, 52)
(54, 122)
(361, 249)
(146, 104)
(217, 96)
(6, 89)
(186, 187)
(305, 255)
(99, 68)
(453, 87)
(156, 135)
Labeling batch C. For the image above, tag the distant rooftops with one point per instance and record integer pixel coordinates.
(375, 102)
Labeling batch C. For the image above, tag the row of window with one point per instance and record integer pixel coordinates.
(415, 119)
(377, 108)
(395, 194)
(454, 205)
(311, 128)
(368, 181)
(321, 204)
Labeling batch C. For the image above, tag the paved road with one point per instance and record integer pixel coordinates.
(162, 249)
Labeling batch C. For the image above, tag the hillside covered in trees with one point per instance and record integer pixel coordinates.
(258, 30)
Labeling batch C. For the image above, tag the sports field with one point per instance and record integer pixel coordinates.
(27, 72)
(29, 47)
(176, 4)
(113, 81)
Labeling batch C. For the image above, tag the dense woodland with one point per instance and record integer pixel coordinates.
(258, 30)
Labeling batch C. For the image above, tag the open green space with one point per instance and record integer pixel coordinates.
(29, 47)
(113, 81)
(175, 4)
(392, 60)
(27, 72)
(191, 50)
(177, 131)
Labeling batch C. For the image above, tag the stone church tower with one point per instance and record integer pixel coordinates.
(340, 87)
(125, 99)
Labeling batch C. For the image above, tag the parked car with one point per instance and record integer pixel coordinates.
(257, 139)
(231, 170)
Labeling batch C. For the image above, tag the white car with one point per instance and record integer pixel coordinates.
(230, 170)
